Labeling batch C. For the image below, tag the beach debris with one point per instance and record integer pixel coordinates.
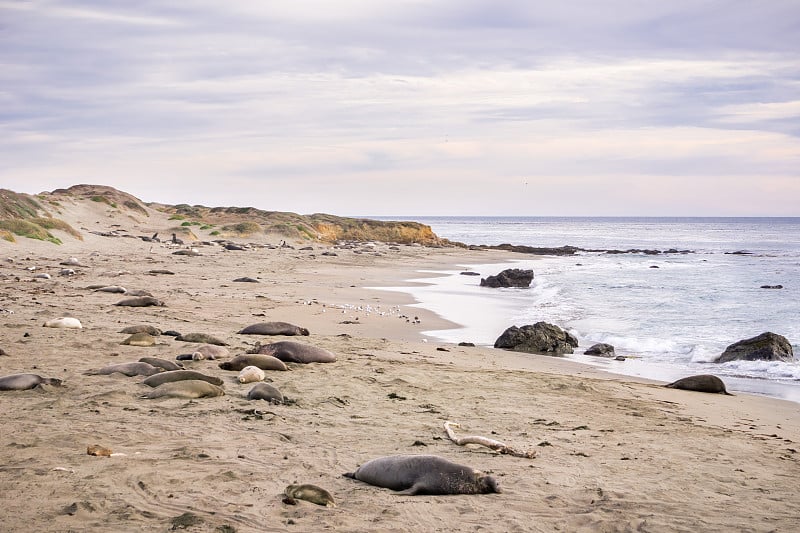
(495, 445)
(98, 451)
(64, 322)
(309, 493)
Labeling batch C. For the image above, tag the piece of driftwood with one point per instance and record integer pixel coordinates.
(492, 444)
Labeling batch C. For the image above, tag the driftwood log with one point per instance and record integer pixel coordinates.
(492, 444)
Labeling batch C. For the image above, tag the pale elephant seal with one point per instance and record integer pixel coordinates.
(143, 328)
(26, 381)
(112, 289)
(213, 351)
(161, 363)
(250, 374)
(138, 292)
(129, 369)
(201, 337)
(64, 322)
(139, 339)
(297, 352)
(188, 389)
(273, 328)
(701, 383)
(424, 474)
(141, 301)
(180, 375)
(264, 362)
(310, 493)
(265, 391)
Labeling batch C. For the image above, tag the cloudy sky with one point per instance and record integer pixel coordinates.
(412, 107)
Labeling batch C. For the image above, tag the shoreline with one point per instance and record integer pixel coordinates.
(604, 441)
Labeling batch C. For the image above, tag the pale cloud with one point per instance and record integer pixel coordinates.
(407, 107)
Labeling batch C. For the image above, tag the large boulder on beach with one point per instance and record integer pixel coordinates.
(540, 338)
(511, 277)
(765, 347)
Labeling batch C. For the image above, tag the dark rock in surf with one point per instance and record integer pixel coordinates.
(540, 338)
(512, 277)
(772, 286)
(765, 347)
(600, 349)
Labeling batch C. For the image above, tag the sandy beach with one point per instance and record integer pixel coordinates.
(613, 453)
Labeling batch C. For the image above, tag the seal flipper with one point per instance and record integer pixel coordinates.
(413, 490)
(351, 475)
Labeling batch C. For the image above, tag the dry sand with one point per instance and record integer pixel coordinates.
(614, 454)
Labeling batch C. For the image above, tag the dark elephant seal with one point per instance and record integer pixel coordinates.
(180, 375)
(141, 301)
(310, 493)
(201, 337)
(129, 369)
(424, 474)
(701, 383)
(264, 362)
(273, 328)
(187, 389)
(26, 381)
(143, 328)
(161, 363)
(297, 352)
(265, 391)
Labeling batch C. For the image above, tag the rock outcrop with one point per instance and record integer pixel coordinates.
(540, 338)
(512, 277)
(765, 347)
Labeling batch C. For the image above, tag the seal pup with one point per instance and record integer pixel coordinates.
(161, 363)
(423, 474)
(265, 391)
(264, 362)
(201, 337)
(310, 493)
(273, 328)
(172, 376)
(250, 374)
(64, 322)
(129, 369)
(26, 381)
(297, 352)
(141, 301)
(188, 389)
(700, 383)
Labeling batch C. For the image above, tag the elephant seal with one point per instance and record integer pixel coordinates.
(264, 362)
(310, 493)
(161, 363)
(701, 383)
(64, 322)
(138, 292)
(139, 339)
(112, 289)
(141, 301)
(201, 337)
(423, 474)
(265, 391)
(143, 328)
(246, 280)
(297, 352)
(188, 389)
(26, 381)
(251, 374)
(180, 375)
(273, 328)
(129, 369)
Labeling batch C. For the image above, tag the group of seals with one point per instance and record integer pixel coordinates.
(424, 474)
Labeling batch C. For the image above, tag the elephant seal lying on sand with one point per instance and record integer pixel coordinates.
(264, 362)
(273, 328)
(26, 381)
(180, 375)
(701, 383)
(189, 389)
(129, 369)
(423, 474)
(297, 352)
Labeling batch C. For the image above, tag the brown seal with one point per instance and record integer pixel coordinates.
(310, 493)
(297, 352)
(264, 362)
(201, 337)
(265, 391)
(701, 383)
(423, 474)
(180, 375)
(141, 301)
(143, 328)
(26, 381)
(129, 369)
(273, 328)
(188, 389)
(161, 363)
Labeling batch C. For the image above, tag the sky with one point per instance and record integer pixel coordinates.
(412, 107)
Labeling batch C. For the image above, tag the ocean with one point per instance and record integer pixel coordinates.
(669, 314)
